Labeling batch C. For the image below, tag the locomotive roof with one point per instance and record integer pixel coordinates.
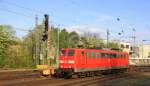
(103, 50)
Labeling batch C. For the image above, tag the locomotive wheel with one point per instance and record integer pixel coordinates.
(114, 71)
(88, 74)
(83, 75)
(91, 74)
(75, 76)
(79, 75)
(67, 75)
(98, 73)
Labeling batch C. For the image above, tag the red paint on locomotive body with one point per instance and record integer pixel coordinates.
(83, 60)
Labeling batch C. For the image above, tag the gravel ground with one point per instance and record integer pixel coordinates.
(135, 80)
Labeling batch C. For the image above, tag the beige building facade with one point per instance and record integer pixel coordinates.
(144, 51)
(125, 46)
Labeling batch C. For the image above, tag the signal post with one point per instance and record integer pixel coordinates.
(47, 69)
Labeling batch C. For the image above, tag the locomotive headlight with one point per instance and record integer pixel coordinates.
(61, 61)
(71, 61)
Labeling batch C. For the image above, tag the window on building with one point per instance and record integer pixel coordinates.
(131, 48)
(122, 46)
(149, 55)
(127, 46)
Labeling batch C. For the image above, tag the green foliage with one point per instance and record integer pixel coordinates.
(64, 41)
(31, 50)
(32, 44)
(15, 57)
(92, 42)
(113, 45)
(73, 39)
(7, 35)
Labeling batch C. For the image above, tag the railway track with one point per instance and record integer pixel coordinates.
(14, 76)
(90, 80)
(139, 68)
(68, 82)
(34, 78)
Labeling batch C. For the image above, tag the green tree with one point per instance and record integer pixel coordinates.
(7, 37)
(113, 45)
(73, 39)
(32, 44)
(64, 35)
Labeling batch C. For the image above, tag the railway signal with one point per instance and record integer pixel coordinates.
(46, 22)
(45, 35)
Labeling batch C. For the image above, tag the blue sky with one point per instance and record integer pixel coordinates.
(98, 15)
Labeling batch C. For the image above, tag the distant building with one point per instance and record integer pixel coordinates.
(125, 46)
(133, 51)
(144, 51)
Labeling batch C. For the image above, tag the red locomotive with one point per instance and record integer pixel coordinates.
(88, 62)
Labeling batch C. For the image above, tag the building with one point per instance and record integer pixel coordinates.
(125, 46)
(133, 51)
(144, 51)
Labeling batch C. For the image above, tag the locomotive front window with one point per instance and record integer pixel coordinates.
(63, 53)
(71, 53)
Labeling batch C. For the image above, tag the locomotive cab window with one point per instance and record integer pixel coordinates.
(71, 53)
(63, 53)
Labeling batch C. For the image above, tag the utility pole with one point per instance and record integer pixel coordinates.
(134, 45)
(33, 46)
(57, 59)
(108, 38)
(35, 37)
(36, 20)
(142, 48)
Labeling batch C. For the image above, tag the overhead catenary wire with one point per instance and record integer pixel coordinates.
(25, 8)
(16, 13)
(22, 7)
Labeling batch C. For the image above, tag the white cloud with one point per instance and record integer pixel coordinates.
(100, 16)
(81, 29)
